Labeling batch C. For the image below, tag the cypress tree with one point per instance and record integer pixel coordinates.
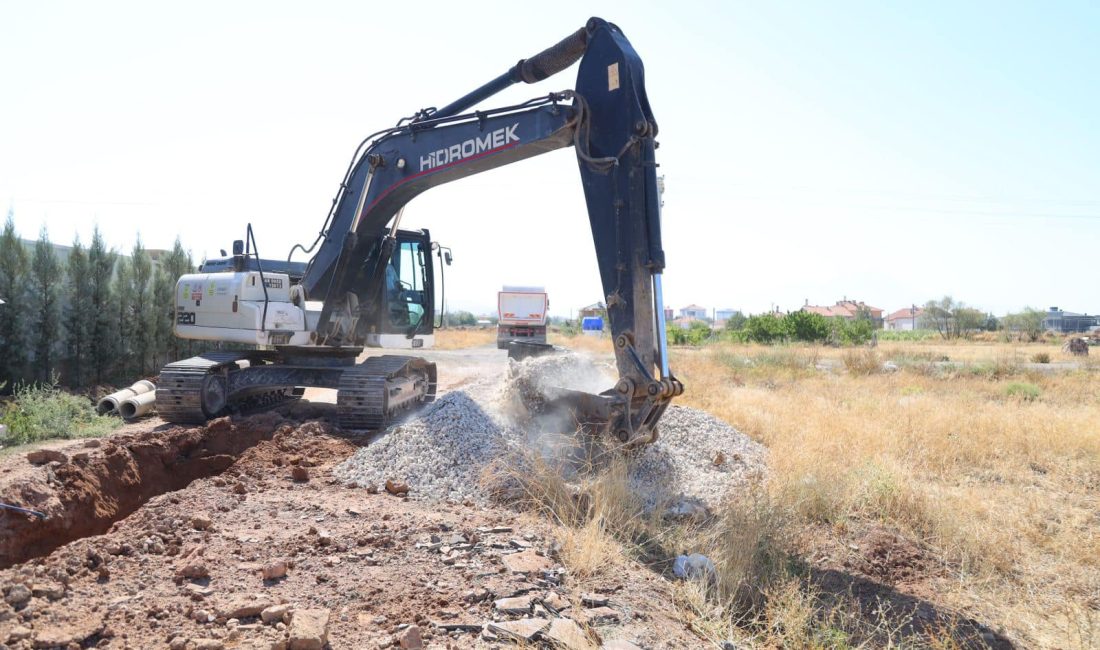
(163, 315)
(103, 332)
(141, 308)
(78, 315)
(13, 282)
(45, 276)
(176, 264)
(122, 295)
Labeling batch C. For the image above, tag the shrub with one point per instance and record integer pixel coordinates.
(41, 411)
(1040, 357)
(696, 334)
(807, 326)
(851, 332)
(1023, 391)
(766, 328)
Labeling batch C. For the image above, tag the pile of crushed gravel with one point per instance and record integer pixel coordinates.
(442, 451)
(697, 461)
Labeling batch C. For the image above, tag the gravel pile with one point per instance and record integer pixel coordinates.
(442, 451)
(696, 462)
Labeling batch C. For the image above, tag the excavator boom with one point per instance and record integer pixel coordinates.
(607, 119)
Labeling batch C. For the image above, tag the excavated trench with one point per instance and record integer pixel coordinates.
(85, 492)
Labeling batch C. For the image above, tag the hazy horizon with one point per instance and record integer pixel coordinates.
(890, 154)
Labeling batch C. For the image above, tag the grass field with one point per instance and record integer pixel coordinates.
(983, 465)
(993, 467)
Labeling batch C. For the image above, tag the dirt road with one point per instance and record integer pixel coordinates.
(236, 535)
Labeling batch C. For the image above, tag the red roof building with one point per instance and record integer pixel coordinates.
(846, 309)
(904, 319)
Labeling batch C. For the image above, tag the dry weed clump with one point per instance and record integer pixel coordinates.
(595, 509)
(862, 362)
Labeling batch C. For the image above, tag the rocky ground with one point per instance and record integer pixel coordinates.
(263, 532)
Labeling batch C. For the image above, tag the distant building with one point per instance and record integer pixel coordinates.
(904, 319)
(670, 313)
(848, 310)
(595, 309)
(1067, 322)
(684, 322)
(694, 311)
(724, 314)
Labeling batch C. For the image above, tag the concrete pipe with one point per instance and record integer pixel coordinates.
(110, 403)
(134, 407)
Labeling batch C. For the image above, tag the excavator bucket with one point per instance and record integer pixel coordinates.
(520, 350)
(563, 410)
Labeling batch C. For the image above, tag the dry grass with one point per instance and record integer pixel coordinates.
(459, 338)
(583, 342)
(994, 467)
(967, 449)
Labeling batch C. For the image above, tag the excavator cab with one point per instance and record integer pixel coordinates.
(403, 315)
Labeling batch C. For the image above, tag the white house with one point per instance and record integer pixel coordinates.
(694, 311)
(904, 319)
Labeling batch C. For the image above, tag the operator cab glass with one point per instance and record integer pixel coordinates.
(406, 280)
(408, 296)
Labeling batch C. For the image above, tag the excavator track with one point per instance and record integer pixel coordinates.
(195, 390)
(373, 394)
(182, 384)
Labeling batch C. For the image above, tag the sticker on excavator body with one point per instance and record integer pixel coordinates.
(613, 76)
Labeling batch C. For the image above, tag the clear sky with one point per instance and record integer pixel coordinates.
(889, 152)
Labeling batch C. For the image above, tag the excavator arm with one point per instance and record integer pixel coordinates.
(607, 119)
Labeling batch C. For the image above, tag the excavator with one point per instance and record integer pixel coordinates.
(371, 283)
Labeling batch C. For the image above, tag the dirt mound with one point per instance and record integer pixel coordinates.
(887, 556)
(90, 487)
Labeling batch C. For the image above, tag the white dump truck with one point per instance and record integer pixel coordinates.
(521, 315)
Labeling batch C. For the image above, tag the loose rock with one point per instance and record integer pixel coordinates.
(274, 570)
(275, 614)
(17, 595)
(409, 638)
(309, 629)
(567, 635)
(43, 456)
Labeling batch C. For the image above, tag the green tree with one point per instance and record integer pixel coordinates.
(766, 328)
(735, 322)
(174, 265)
(807, 326)
(461, 318)
(163, 314)
(141, 313)
(1027, 323)
(951, 318)
(103, 333)
(78, 315)
(856, 331)
(121, 306)
(13, 282)
(968, 320)
(46, 273)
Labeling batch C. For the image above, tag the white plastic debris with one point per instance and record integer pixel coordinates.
(693, 566)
